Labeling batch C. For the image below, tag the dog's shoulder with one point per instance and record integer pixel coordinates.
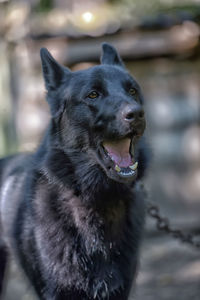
(13, 173)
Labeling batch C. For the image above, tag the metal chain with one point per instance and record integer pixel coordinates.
(163, 224)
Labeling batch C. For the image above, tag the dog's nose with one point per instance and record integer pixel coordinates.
(132, 113)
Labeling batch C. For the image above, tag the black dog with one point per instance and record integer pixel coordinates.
(72, 211)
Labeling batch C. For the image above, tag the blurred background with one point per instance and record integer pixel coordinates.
(159, 40)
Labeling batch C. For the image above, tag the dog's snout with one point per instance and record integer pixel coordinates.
(132, 113)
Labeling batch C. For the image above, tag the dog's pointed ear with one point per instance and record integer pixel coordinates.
(110, 56)
(53, 72)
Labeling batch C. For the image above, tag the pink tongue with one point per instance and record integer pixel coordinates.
(119, 152)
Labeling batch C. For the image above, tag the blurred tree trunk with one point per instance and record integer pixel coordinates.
(7, 124)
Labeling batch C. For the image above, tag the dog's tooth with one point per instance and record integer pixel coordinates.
(117, 168)
(134, 167)
(111, 157)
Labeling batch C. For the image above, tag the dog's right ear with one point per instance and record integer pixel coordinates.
(53, 72)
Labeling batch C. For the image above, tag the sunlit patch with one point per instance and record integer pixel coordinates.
(87, 17)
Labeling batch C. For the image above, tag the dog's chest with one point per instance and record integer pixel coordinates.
(101, 224)
(90, 241)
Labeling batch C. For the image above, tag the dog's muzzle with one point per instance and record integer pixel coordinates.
(132, 117)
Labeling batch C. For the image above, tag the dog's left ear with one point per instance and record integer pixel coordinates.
(110, 56)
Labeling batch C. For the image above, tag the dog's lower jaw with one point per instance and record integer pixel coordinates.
(112, 171)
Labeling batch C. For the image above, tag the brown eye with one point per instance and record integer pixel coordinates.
(132, 91)
(93, 95)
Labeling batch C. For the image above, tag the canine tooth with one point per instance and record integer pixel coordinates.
(117, 168)
(134, 167)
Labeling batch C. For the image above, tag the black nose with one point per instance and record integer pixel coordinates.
(132, 113)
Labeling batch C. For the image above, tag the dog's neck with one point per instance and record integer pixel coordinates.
(89, 182)
(86, 179)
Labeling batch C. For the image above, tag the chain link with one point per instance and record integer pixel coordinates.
(163, 224)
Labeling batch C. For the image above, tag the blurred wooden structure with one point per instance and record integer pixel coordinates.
(164, 59)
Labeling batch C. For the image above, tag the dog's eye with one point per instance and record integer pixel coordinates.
(132, 91)
(93, 95)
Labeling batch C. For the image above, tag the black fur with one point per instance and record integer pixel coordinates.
(73, 222)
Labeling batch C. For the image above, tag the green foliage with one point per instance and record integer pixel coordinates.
(144, 7)
(44, 5)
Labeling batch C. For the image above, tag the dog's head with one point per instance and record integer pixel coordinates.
(98, 112)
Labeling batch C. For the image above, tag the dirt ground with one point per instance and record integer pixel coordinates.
(169, 270)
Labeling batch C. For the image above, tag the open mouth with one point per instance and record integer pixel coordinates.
(121, 154)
